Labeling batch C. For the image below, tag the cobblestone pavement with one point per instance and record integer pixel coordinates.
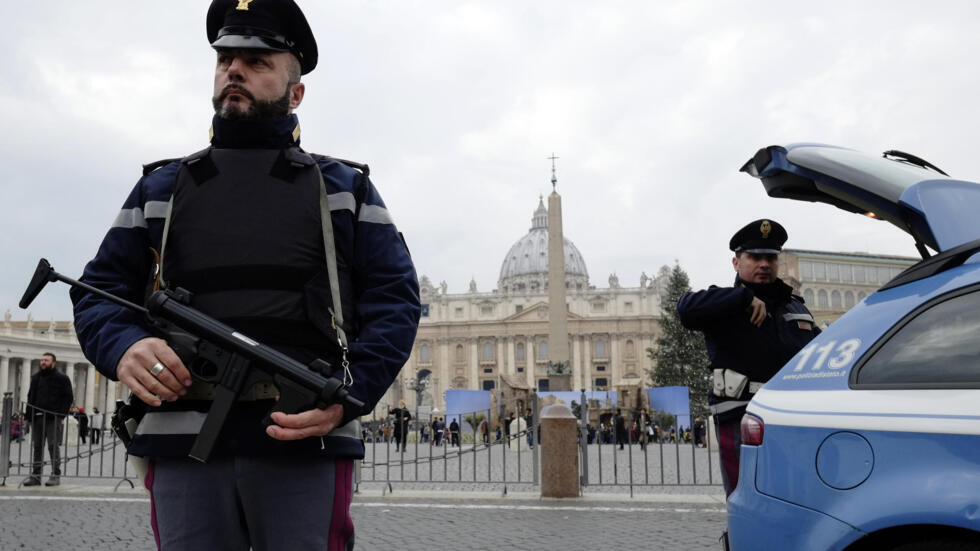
(429, 498)
(73, 518)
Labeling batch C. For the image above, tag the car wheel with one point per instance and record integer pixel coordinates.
(938, 545)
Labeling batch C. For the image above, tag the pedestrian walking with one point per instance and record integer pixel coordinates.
(454, 433)
(619, 422)
(82, 419)
(97, 426)
(400, 418)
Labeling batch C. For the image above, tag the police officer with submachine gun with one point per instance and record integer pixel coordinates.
(280, 303)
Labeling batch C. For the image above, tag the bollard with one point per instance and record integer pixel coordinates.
(559, 452)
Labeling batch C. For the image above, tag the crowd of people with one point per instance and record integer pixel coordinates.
(90, 427)
(642, 429)
(619, 428)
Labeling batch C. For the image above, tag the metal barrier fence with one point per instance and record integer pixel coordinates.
(638, 461)
(419, 454)
(100, 454)
(671, 456)
(474, 453)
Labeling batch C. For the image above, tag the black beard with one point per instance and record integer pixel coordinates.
(259, 109)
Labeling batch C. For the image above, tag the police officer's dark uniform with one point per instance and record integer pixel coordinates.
(744, 356)
(250, 226)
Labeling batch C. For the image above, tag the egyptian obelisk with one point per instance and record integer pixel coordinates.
(557, 303)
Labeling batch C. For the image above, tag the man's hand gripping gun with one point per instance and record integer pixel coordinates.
(215, 353)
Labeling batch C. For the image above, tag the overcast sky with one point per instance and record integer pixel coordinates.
(651, 106)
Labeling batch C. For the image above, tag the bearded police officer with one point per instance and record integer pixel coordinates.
(751, 330)
(297, 251)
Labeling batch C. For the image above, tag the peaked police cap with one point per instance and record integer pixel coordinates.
(274, 25)
(760, 237)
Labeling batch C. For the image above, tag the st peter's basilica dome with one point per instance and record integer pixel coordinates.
(525, 268)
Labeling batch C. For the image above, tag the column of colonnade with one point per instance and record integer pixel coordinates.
(578, 372)
(441, 382)
(4, 374)
(25, 382)
(474, 375)
(89, 388)
(615, 359)
(501, 362)
(70, 371)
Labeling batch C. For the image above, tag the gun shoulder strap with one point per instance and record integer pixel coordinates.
(330, 251)
(161, 283)
(329, 246)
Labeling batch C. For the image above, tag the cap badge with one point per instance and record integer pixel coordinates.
(243, 5)
(765, 228)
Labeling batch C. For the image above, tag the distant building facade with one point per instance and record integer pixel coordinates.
(831, 283)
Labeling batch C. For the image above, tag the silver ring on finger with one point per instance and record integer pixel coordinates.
(157, 369)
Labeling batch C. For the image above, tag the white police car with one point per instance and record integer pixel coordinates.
(869, 438)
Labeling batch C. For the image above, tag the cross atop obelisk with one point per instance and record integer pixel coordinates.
(554, 176)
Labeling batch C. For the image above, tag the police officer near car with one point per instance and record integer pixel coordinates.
(751, 330)
(293, 249)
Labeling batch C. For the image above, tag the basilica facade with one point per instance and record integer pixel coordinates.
(487, 340)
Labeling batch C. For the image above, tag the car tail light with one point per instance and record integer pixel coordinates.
(753, 429)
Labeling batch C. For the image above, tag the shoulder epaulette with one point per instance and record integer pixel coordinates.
(150, 167)
(363, 168)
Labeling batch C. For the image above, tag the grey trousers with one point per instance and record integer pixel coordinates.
(45, 429)
(259, 503)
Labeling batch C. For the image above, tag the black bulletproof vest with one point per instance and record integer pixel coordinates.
(246, 239)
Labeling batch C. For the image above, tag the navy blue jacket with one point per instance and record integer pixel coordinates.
(721, 313)
(386, 294)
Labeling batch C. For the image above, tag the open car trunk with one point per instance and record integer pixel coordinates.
(934, 209)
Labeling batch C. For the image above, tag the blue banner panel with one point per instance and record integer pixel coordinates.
(565, 396)
(675, 400)
(465, 402)
(606, 398)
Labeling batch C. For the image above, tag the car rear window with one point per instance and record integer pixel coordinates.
(937, 347)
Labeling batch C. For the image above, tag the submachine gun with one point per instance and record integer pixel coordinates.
(215, 353)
